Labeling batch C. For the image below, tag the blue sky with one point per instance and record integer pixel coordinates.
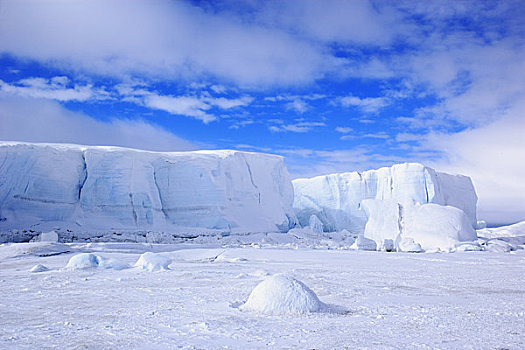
(331, 85)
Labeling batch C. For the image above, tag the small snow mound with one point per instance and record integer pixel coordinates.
(89, 260)
(50, 236)
(38, 268)
(408, 244)
(499, 246)
(363, 243)
(281, 294)
(469, 247)
(83, 261)
(153, 262)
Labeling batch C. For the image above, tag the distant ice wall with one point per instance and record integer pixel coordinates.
(337, 199)
(111, 188)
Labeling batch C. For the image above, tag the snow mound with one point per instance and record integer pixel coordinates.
(514, 230)
(38, 268)
(407, 244)
(153, 262)
(281, 294)
(89, 260)
(83, 261)
(363, 243)
(499, 246)
(469, 247)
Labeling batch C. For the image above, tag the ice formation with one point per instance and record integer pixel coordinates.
(281, 294)
(153, 262)
(110, 188)
(364, 243)
(409, 206)
(89, 260)
(50, 236)
(83, 261)
(39, 268)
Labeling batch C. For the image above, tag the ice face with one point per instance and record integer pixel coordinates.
(109, 188)
(429, 226)
(337, 199)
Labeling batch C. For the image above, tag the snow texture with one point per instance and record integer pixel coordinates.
(102, 189)
(150, 261)
(337, 199)
(282, 294)
(466, 300)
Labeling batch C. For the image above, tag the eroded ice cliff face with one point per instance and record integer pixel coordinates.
(111, 188)
(337, 199)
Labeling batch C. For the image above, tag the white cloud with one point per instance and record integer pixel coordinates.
(57, 88)
(309, 162)
(367, 104)
(297, 105)
(183, 105)
(493, 156)
(225, 103)
(300, 127)
(38, 120)
(343, 129)
(404, 137)
(377, 135)
(167, 39)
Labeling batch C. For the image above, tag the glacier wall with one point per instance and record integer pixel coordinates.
(337, 199)
(431, 226)
(109, 188)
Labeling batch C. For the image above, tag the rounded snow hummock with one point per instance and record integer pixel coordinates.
(83, 261)
(153, 262)
(281, 294)
(38, 268)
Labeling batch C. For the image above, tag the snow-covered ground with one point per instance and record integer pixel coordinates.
(378, 300)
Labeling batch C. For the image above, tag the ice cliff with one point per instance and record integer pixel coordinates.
(111, 188)
(406, 200)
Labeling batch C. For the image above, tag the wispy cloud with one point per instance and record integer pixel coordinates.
(367, 104)
(343, 129)
(182, 105)
(44, 120)
(297, 105)
(300, 127)
(58, 88)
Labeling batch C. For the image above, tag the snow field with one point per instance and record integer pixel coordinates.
(399, 300)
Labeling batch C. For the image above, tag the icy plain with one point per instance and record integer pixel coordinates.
(376, 300)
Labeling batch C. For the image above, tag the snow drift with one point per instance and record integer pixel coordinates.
(112, 188)
(150, 261)
(281, 294)
(407, 205)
